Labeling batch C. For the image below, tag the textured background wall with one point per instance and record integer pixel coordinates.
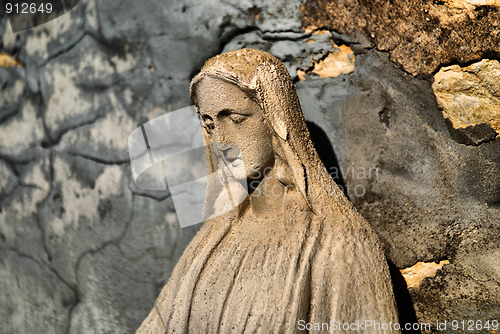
(82, 250)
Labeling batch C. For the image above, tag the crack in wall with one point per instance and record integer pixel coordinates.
(98, 159)
(115, 241)
(113, 44)
(8, 112)
(64, 49)
(54, 141)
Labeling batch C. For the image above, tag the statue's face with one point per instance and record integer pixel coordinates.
(231, 117)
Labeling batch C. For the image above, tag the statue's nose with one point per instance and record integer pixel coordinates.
(217, 135)
(230, 151)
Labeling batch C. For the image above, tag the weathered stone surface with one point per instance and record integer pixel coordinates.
(76, 95)
(8, 180)
(469, 97)
(47, 304)
(468, 286)
(333, 65)
(322, 102)
(421, 35)
(22, 133)
(88, 207)
(415, 274)
(19, 209)
(473, 134)
(429, 197)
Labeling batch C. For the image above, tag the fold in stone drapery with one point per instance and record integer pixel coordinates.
(319, 261)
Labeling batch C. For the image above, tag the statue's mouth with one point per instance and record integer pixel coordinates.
(230, 152)
(236, 163)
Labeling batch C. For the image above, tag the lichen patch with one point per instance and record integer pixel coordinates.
(415, 275)
(7, 60)
(340, 61)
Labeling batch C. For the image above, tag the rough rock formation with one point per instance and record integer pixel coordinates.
(84, 250)
(421, 35)
(469, 98)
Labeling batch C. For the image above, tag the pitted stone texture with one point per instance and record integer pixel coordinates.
(303, 53)
(375, 111)
(430, 196)
(45, 309)
(420, 167)
(20, 208)
(89, 206)
(8, 180)
(322, 102)
(334, 64)
(76, 94)
(468, 286)
(38, 45)
(469, 97)
(147, 253)
(21, 134)
(421, 35)
(67, 199)
(105, 140)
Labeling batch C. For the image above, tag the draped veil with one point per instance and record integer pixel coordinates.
(321, 262)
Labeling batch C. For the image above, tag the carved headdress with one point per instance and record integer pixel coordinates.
(319, 262)
(266, 80)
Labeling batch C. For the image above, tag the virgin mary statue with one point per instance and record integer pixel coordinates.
(295, 255)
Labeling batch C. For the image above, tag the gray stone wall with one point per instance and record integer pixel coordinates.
(83, 250)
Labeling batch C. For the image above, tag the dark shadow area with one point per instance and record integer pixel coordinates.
(403, 299)
(327, 154)
(472, 135)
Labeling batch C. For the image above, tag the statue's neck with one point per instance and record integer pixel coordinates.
(266, 201)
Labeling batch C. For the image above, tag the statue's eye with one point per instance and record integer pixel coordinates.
(237, 118)
(208, 125)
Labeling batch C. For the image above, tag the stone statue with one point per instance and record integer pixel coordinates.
(295, 252)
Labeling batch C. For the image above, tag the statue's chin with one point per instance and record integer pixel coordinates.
(237, 169)
(253, 175)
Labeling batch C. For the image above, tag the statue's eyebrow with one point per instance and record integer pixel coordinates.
(225, 112)
(222, 112)
(228, 111)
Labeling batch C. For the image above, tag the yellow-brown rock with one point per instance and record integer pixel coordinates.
(335, 64)
(340, 61)
(7, 60)
(415, 275)
(470, 96)
(468, 4)
(421, 35)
